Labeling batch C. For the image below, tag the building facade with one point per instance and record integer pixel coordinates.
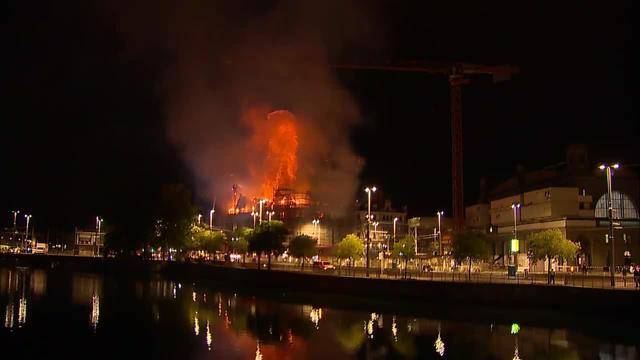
(572, 198)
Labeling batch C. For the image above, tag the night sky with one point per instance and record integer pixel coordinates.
(84, 129)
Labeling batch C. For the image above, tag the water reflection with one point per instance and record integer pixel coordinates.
(17, 284)
(95, 310)
(8, 318)
(439, 344)
(175, 315)
(209, 337)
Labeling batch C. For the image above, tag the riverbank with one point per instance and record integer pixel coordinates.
(510, 296)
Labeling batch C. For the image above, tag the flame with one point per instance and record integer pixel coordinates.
(272, 157)
(277, 139)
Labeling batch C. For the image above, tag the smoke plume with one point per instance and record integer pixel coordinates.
(231, 65)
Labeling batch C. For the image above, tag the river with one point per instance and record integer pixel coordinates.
(56, 313)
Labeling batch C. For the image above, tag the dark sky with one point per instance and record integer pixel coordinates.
(84, 127)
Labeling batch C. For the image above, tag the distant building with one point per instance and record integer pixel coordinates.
(571, 197)
(88, 243)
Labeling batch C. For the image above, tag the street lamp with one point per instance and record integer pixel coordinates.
(515, 243)
(262, 201)
(375, 230)
(315, 223)
(199, 218)
(254, 214)
(270, 213)
(26, 230)
(609, 173)
(15, 215)
(369, 191)
(440, 215)
(211, 212)
(98, 226)
(395, 220)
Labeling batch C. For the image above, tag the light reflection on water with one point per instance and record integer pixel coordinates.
(160, 317)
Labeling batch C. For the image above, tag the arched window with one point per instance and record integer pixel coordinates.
(623, 207)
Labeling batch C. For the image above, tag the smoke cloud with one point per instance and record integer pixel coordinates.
(233, 60)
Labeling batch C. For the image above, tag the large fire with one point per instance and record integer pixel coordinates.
(279, 138)
(272, 158)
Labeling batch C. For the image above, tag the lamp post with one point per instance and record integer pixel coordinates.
(270, 213)
(26, 230)
(254, 214)
(315, 223)
(199, 218)
(440, 215)
(15, 216)
(609, 174)
(369, 191)
(395, 220)
(262, 201)
(95, 241)
(515, 250)
(375, 230)
(211, 213)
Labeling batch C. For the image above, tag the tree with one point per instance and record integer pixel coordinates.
(302, 246)
(239, 243)
(470, 246)
(239, 246)
(175, 215)
(550, 244)
(405, 250)
(268, 238)
(207, 240)
(351, 248)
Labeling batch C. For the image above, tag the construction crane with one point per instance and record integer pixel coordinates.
(457, 72)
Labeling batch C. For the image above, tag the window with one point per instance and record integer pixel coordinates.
(623, 207)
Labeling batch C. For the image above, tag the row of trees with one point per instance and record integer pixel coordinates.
(171, 225)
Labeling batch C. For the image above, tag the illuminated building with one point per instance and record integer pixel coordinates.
(570, 197)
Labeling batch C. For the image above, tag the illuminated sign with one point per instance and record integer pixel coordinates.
(515, 245)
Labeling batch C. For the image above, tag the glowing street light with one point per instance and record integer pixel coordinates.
(270, 214)
(254, 214)
(609, 174)
(369, 191)
(199, 218)
(440, 215)
(395, 220)
(98, 226)
(315, 223)
(375, 229)
(211, 213)
(262, 201)
(26, 230)
(15, 215)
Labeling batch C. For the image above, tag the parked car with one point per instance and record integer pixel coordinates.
(323, 265)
